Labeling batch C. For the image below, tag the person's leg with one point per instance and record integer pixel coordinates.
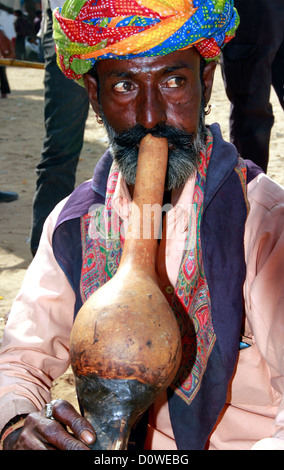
(247, 82)
(278, 73)
(247, 72)
(66, 110)
(20, 50)
(5, 88)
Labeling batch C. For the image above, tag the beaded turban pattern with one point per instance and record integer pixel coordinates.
(89, 30)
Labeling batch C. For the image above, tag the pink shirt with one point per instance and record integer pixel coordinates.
(42, 317)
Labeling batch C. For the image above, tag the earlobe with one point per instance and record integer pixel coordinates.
(91, 86)
(208, 79)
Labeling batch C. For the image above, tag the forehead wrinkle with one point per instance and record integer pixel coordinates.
(135, 71)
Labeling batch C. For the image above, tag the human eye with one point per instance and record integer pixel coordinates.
(175, 82)
(123, 87)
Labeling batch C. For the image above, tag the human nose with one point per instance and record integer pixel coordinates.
(150, 110)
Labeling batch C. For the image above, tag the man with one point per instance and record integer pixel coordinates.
(230, 252)
(23, 29)
(6, 51)
(64, 121)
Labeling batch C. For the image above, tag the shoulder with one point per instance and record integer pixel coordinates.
(265, 192)
(88, 193)
(264, 226)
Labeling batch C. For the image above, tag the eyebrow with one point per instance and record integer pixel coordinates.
(180, 66)
(119, 74)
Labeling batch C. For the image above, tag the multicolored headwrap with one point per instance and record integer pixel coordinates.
(89, 30)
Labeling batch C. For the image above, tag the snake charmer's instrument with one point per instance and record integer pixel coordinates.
(125, 343)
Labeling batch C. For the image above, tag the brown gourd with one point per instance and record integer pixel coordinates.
(125, 343)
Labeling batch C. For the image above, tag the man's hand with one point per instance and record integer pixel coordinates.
(41, 433)
(6, 47)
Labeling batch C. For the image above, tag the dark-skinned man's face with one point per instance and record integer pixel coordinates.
(161, 95)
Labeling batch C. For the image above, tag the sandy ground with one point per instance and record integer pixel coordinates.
(21, 135)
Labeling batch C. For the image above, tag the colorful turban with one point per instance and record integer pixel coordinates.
(89, 30)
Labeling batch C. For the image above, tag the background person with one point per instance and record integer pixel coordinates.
(66, 107)
(251, 64)
(6, 51)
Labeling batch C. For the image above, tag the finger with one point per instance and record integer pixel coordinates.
(41, 433)
(32, 434)
(65, 413)
(57, 436)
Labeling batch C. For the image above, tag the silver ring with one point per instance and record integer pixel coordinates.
(48, 411)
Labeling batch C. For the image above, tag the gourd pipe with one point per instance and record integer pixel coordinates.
(125, 343)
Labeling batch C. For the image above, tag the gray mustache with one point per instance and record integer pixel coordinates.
(132, 137)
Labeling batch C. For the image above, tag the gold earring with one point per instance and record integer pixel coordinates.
(99, 119)
(208, 110)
